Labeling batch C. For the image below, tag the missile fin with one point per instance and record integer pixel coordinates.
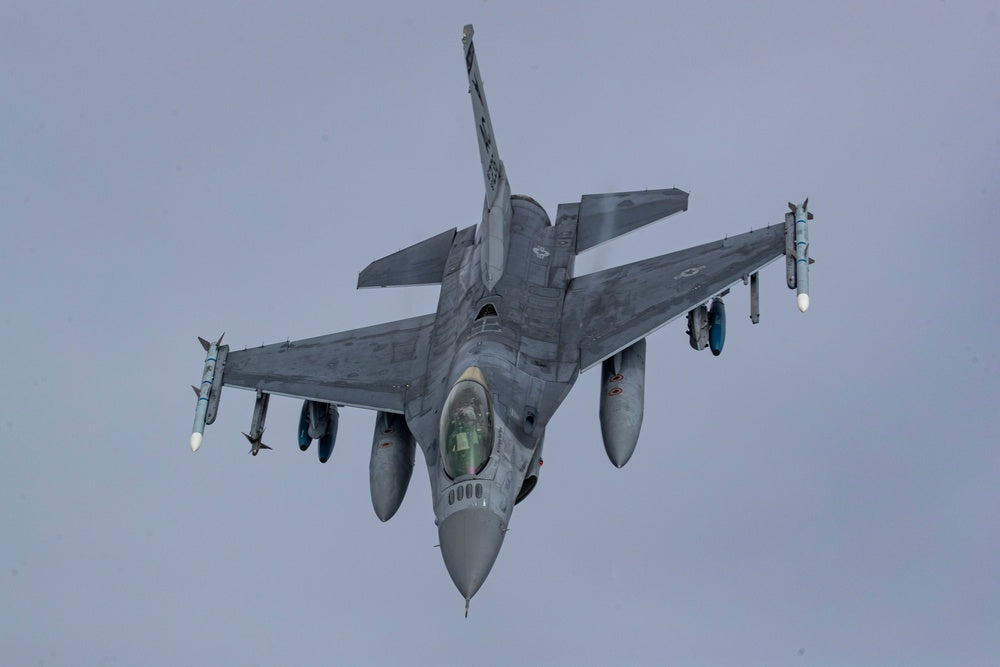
(257, 445)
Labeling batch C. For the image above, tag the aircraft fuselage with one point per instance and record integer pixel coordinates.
(511, 335)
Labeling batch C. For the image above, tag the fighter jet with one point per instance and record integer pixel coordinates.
(475, 383)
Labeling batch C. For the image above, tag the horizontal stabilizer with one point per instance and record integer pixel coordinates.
(602, 217)
(421, 264)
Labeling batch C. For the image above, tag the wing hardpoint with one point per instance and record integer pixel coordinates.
(372, 367)
(607, 311)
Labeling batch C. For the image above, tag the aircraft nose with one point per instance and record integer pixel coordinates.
(470, 541)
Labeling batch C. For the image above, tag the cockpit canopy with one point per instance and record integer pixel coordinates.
(467, 426)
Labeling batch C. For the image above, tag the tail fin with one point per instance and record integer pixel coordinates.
(495, 227)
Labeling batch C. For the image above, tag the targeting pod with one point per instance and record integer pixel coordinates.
(318, 421)
(304, 438)
(707, 326)
(327, 440)
(717, 326)
(697, 330)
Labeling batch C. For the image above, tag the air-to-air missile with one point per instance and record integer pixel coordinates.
(797, 251)
(257, 423)
(204, 392)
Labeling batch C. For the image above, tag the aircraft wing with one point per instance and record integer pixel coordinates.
(372, 367)
(607, 311)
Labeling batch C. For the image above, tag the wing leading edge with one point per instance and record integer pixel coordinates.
(372, 367)
(607, 311)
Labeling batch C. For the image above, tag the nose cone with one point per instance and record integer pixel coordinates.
(470, 541)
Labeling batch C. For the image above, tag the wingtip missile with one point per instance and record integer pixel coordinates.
(207, 378)
(802, 216)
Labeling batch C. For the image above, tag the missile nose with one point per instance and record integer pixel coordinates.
(470, 541)
(195, 441)
(803, 300)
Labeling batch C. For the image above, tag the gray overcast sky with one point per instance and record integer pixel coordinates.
(826, 492)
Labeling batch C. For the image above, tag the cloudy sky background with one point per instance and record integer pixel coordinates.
(827, 492)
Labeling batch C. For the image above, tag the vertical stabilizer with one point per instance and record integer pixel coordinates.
(495, 227)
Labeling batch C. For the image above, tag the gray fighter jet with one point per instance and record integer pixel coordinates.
(476, 382)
